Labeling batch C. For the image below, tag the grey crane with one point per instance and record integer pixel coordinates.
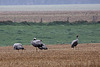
(38, 44)
(18, 46)
(74, 42)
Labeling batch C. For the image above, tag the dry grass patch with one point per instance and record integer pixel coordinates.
(85, 55)
(49, 16)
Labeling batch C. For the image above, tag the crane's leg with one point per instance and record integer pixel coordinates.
(76, 48)
(18, 50)
(36, 49)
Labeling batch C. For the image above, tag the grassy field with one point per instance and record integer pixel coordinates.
(50, 34)
(85, 55)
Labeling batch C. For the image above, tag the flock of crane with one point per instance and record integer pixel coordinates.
(38, 44)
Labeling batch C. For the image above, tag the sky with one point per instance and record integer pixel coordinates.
(47, 2)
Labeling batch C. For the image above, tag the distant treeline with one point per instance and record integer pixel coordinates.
(49, 23)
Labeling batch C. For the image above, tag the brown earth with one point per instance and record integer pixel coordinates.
(49, 16)
(85, 55)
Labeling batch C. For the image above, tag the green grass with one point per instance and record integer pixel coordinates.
(50, 34)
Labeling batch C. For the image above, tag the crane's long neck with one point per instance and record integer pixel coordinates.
(77, 38)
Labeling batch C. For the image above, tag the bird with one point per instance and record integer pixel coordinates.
(18, 46)
(74, 42)
(38, 44)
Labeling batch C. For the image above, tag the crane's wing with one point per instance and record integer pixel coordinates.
(73, 42)
(43, 47)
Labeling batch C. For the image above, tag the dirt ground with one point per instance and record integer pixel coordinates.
(49, 16)
(84, 55)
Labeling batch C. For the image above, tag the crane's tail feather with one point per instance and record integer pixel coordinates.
(72, 46)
